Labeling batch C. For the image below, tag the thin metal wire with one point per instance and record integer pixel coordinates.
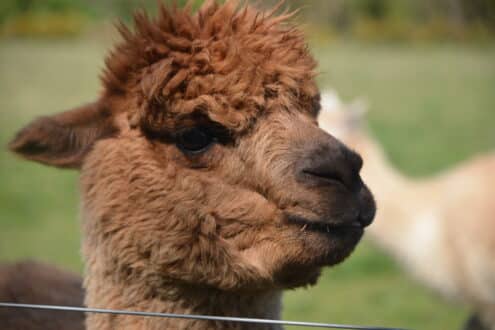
(192, 316)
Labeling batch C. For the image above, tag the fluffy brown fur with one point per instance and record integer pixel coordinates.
(207, 185)
(32, 282)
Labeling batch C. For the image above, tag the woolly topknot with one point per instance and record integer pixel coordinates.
(227, 62)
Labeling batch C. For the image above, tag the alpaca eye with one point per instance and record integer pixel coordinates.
(194, 140)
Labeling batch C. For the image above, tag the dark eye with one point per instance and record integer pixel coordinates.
(194, 140)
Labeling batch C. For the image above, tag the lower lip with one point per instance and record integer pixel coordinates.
(338, 230)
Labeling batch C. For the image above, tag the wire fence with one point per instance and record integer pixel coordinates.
(192, 316)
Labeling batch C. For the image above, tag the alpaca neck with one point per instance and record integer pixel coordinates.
(378, 172)
(401, 218)
(408, 222)
(176, 299)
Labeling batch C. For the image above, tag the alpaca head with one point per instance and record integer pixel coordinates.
(202, 162)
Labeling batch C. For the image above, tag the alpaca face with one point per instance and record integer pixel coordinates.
(202, 163)
(282, 199)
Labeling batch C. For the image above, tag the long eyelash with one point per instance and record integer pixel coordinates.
(220, 134)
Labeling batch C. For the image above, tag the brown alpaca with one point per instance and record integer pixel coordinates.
(207, 186)
(445, 234)
(36, 283)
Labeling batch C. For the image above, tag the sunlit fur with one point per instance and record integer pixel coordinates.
(224, 230)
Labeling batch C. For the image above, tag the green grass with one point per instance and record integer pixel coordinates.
(430, 106)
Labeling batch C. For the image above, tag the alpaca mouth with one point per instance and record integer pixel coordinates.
(325, 242)
(325, 227)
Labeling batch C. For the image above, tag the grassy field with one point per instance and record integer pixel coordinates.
(430, 106)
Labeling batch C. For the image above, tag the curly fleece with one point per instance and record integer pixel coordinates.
(225, 62)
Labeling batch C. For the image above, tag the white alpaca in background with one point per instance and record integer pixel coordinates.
(442, 228)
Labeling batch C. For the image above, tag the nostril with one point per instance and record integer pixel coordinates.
(325, 174)
(332, 163)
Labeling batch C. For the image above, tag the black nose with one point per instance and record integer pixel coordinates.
(331, 162)
(332, 169)
(367, 206)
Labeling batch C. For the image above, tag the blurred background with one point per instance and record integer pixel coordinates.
(426, 68)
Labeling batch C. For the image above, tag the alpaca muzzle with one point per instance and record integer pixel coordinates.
(332, 171)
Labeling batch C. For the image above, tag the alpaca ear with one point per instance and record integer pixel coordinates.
(64, 139)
